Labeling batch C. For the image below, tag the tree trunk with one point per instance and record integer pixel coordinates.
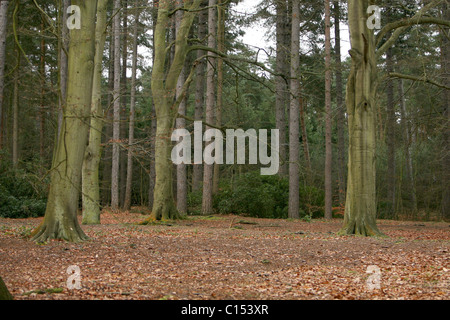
(3, 32)
(127, 202)
(163, 90)
(41, 114)
(4, 293)
(64, 47)
(411, 185)
(220, 76)
(390, 137)
(60, 221)
(15, 107)
(208, 170)
(281, 83)
(328, 115)
(124, 102)
(197, 175)
(116, 117)
(92, 156)
(181, 124)
(294, 131)
(445, 56)
(360, 207)
(340, 113)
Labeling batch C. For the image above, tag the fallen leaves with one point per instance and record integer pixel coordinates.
(207, 258)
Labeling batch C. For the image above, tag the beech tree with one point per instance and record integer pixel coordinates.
(164, 81)
(60, 220)
(366, 50)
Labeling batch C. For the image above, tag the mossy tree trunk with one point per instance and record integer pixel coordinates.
(360, 207)
(164, 82)
(90, 181)
(60, 221)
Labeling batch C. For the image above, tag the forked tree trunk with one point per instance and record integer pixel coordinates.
(163, 89)
(360, 207)
(60, 221)
(90, 180)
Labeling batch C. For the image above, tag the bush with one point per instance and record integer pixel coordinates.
(266, 197)
(22, 193)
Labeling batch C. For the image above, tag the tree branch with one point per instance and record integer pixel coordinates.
(414, 78)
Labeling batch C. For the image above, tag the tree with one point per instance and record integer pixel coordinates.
(208, 169)
(360, 208)
(60, 221)
(280, 81)
(127, 202)
(3, 31)
(328, 115)
(90, 179)
(164, 80)
(294, 131)
(340, 112)
(116, 116)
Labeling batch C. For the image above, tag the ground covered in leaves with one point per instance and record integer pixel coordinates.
(227, 257)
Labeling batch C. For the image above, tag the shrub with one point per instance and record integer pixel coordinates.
(22, 193)
(266, 197)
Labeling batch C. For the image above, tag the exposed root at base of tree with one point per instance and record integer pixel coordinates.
(163, 214)
(360, 229)
(56, 231)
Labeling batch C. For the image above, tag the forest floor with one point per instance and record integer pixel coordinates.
(228, 257)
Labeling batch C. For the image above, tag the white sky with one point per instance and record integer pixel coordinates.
(256, 34)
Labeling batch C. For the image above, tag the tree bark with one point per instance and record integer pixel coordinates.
(445, 58)
(60, 221)
(90, 173)
(281, 82)
(390, 137)
(127, 202)
(116, 116)
(3, 32)
(15, 107)
(164, 89)
(360, 207)
(64, 48)
(294, 131)
(181, 124)
(208, 170)
(340, 112)
(197, 175)
(328, 115)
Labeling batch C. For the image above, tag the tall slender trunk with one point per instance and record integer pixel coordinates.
(90, 178)
(445, 56)
(406, 128)
(116, 117)
(294, 131)
(127, 202)
(197, 175)
(390, 137)
(3, 32)
(60, 221)
(219, 106)
(208, 170)
(303, 104)
(281, 82)
(15, 107)
(340, 112)
(328, 115)
(124, 102)
(41, 113)
(181, 124)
